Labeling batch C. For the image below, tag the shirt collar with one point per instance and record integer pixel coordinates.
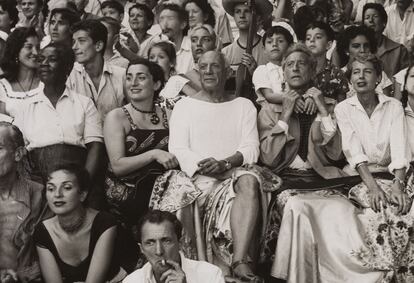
(382, 99)
(186, 44)
(41, 97)
(81, 69)
(273, 67)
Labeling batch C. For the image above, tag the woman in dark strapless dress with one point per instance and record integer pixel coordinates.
(136, 138)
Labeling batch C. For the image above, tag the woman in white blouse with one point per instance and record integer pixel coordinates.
(374, 140)
(20, 82)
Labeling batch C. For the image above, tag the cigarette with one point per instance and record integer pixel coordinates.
(163, 262)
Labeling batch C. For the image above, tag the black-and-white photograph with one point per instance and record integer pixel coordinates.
(206, 141)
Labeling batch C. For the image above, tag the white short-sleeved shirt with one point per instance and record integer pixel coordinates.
(74, 121)
(16, 100)
(379, 140)
(267, 76)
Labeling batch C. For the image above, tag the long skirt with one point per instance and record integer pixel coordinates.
(204, 206)
(334, 236)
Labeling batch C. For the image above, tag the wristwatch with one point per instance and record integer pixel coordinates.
(227, 164)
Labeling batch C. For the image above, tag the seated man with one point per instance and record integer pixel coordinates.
(160, 232)
(213, 134)
(21, 207)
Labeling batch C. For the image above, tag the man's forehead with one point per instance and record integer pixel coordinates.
(241, 6)
(157, 230)
(212, 57)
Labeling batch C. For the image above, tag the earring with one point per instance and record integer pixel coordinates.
(17, 60)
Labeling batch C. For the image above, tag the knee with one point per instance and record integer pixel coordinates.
(247, 185)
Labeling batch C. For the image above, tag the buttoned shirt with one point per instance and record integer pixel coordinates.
(73, 121)
(379, 140)
(185, 60)
(195, 272)
(267, 76)
(401, 31)
(109, 95)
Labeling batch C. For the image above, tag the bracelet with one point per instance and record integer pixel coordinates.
(238, 262)
(360, 164)
(396, 179)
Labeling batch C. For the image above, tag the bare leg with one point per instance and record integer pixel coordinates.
(244, 218)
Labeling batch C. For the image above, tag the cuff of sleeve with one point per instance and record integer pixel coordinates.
(398, 164)
(358, 159)
(93, 139)
(284, 126)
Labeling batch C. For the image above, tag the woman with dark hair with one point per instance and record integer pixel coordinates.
(78, 243)
(60, 21)
(59, 124)
(199, 12)
(163, 53)
(20, 82)
(9, 15)
(136, 139)
(360, 41)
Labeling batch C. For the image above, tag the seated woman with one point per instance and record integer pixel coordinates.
(136, 139)
(58, 124)
(78, 243)
(20, 82)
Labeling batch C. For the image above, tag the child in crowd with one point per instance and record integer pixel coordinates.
(268, 79)
(329, 79)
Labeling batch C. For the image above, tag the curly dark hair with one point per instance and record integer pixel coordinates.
(154, 69)
(66, 59)
(9, 6)
(350, 33)
(10, 61)
(404, 97)
(149, 15)
(207, 10)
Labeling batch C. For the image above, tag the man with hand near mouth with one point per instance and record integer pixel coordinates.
(159, 234)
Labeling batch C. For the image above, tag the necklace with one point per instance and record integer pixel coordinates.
(154, 117)
(30, 86)
(71, 228)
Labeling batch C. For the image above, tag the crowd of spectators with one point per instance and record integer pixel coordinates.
(206, 141)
